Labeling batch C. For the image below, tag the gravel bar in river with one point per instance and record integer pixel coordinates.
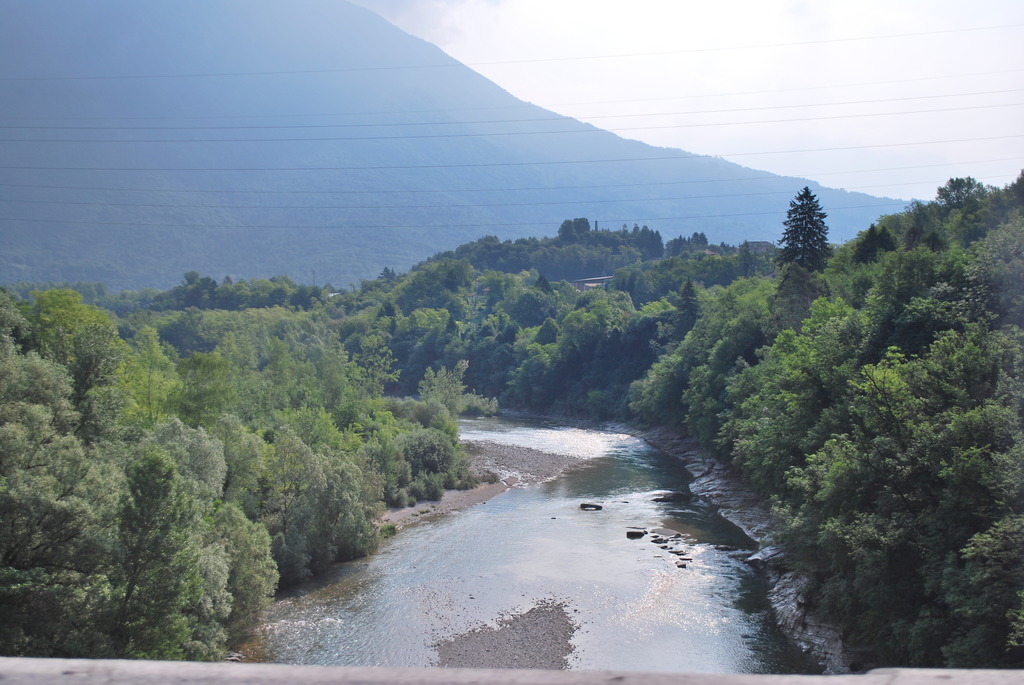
(510, 464)
(540, 637)
(524, 464)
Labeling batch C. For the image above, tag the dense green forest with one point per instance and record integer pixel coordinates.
(152, 497)
(873, 391)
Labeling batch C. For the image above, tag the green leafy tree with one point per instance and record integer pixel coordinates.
(795, 398)
(958, 193)
(797, 289)
(252, 573)
(910, 518)
(985, 595)
(293, 471)
(206, 389)
(445, 387)
(157, 576)
(720, 346)
(872, 242)
(245, 455)
(1000, 268)
(805, 239)
(548, 332)
(56, 497)
(83, 339)
(573, 230)
(198, 458)
(376, 362)
(149, 379)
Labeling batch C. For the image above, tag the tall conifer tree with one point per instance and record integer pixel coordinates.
(805, 240)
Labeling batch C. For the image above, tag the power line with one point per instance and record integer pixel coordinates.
(422, 226)
(475, 205)
(454, 63)
(867, 147)
(398, 207)
(383, 191)
(794, 89)
(459, 122)
(475, 165)
(430, 136)
(526, 105)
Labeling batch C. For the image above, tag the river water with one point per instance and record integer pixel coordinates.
(635, 610)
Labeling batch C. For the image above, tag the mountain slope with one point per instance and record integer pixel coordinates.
(143, 140)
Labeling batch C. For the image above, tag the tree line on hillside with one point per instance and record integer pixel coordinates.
(872, 390)
(578, 251)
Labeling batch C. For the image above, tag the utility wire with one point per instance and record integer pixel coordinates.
(786, 192)
(384, 191)
(579, 128)
(475, 165)
(342, 225)
(522, 105)
(454, 63)
(459, 122)
(474, 205)
(594, 186)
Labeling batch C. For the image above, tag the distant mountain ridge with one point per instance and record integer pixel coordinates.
(314, 139)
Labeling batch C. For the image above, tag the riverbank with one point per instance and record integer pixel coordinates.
(722, 486)
(500, 467)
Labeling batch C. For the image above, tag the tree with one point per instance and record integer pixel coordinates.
(548, 332)
(376, 363)
(252, 573)
(872, 242)
(573, 230)
(149, 379)
(797, 289)
(55, 500)
(83, 339)
(198, 459)
(957, 193)
(687, 310)
(445, 387)
(205, 389)
(157, 574)
(805, 240)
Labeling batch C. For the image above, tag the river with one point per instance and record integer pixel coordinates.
(633, 608)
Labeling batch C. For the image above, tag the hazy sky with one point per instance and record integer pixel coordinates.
(890, 97)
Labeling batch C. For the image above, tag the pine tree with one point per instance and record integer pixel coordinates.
(805, 240)
(687, 310)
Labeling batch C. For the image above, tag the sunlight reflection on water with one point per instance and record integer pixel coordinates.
(574, 442)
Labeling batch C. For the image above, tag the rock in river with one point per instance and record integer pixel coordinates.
(672, 497)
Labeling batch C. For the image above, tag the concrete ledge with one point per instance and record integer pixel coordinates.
(16, 671)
